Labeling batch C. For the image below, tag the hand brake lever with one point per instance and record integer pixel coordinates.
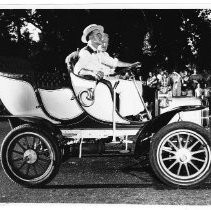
(116, 84)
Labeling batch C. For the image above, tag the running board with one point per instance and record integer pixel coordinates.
(97, 133)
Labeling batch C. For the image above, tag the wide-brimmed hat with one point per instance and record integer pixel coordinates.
(89, 29)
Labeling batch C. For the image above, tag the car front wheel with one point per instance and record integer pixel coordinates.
(180, 154)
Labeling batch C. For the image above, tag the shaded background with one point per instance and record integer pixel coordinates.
(158, 38)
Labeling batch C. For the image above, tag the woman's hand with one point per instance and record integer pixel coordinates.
(136, 64)
(99, 75)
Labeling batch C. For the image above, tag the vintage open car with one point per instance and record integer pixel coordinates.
(48, 117)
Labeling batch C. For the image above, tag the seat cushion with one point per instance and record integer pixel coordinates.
(22, 69)
(48, 81)
(52, 81)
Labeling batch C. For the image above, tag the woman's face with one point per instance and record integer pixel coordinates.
(105, 43)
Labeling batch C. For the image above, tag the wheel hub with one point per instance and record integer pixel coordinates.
(183, 155)
(30, 156)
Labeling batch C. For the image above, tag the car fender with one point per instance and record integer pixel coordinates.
(154, 125)
(16, 120)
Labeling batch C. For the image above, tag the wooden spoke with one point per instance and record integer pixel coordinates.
(22, 164)
(187, 170)
(27, 143)
(168, 149)
(39, 164)
(44, 160)
(43, 152)
(172, 165)
(179, 141)
(187, 140)
(27, 168)
(17, 159)
(35, 170)
(197, 159)
(191, 147)
(179, 169)
(173, 145)
(21, 146)
(191, 163)
(196, 152)
(18, 152)
(33, 142)
(170, 158)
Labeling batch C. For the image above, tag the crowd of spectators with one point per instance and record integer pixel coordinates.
(184, 83)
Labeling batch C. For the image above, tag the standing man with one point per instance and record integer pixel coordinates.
(195, 78)
(177, 84)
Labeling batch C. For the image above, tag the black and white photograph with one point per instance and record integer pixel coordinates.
(105, 104)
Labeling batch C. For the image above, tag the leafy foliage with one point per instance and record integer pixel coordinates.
(170, 39)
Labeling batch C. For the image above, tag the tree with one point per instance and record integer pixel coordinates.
(158, 38)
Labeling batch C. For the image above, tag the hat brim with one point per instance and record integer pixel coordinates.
(89, 30)
(83, 38)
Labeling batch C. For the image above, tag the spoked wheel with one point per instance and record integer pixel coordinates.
(180, 154)
(30, 156)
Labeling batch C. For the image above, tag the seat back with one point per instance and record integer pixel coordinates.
(71, 60)
(18, 97)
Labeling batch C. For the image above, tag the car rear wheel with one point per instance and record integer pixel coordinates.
(30, 156)
(180, 154)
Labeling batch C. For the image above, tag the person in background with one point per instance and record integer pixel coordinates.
(159, 76)
(195, 78)
(149, 92)
(198, 91)
(152, 80)
(165, 83)
(207, 89)
(177, 83)
(185, 82)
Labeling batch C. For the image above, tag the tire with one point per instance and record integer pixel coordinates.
(30, 156)
(180, 154)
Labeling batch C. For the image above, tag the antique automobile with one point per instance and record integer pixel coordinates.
(48, 117)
